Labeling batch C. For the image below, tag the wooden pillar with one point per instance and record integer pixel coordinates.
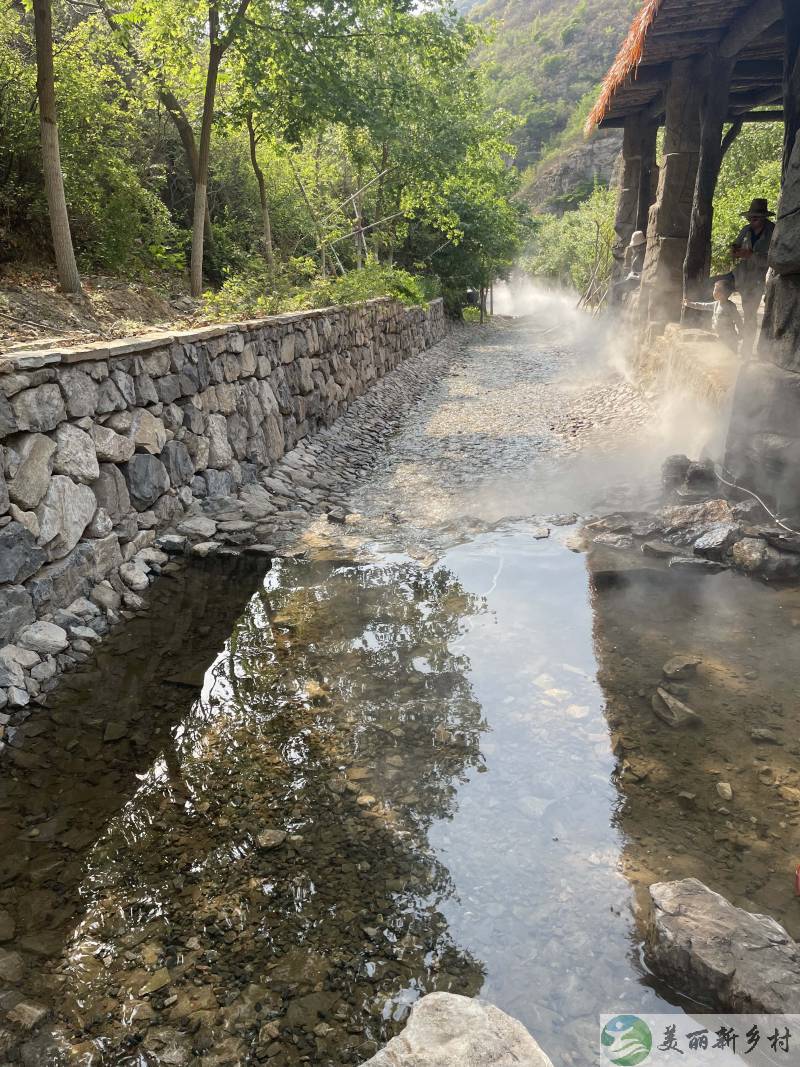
(628, 199)
(713, 112)
(661, 296)
(648, 174)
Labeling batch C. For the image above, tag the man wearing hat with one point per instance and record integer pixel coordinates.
(750, 250)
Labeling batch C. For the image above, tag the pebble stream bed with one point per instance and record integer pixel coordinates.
(278, 805)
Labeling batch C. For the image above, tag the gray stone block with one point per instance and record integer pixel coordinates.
(147, 480)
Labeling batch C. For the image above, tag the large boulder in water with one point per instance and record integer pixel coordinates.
(708, 948)
(446, 1030)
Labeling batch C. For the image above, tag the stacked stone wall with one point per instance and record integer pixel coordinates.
(102, 446)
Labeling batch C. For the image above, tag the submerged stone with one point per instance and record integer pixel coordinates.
(447, 1030)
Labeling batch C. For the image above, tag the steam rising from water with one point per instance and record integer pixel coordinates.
(604, 346)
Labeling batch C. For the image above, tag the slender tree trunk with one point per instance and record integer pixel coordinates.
(186, 134)
(379, 195)
(68, 276)
(269, 253)
(215, 52)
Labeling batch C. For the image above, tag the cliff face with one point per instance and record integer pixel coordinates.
(567, 176)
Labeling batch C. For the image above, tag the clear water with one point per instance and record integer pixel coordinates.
(473, 789)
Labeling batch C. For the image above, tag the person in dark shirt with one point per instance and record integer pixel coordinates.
(750, 250)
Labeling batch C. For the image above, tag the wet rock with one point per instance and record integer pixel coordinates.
(134, 576)
(106, 597)
(447, 1030)
(782, 540)
(717, 539)
(146, 478)
(20, 555)
(26, 1014)
(700, 479)
(673, 711)
(10, 966)
(204, 549)
(173, 544)
(696, 566)
(32, 471)
(673, 471)
(269, 838)
(681, 667)
(540, 533)
(706, 947)
(659, 549)
(44, 637)
(159, 980)
(269, 551)
(749, 554)
(75, 455)
(695, 517)
(614, 540)
(67, 509)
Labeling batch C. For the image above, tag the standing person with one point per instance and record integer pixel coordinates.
(726, 322)
(634, 260)
(751, 249)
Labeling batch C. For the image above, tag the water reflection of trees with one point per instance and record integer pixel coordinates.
(341, 716)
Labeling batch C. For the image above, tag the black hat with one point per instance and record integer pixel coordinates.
(759, 208)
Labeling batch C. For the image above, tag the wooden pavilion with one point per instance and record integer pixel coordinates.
(700, 69)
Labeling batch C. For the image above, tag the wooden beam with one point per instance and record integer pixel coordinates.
(758, 17)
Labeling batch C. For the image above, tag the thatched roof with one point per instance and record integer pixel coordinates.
(627, 62)
(666, 30)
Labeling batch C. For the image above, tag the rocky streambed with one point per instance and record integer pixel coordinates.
(393, 735)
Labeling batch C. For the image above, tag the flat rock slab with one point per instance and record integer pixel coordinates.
(446, 1030)
(735, 960)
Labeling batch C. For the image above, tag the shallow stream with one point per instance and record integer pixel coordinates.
(281, 806)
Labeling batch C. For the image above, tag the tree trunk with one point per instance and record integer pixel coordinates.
(68, 276)
(713, 112)
(215, 52)
(379, 196)
(266, 222)
(186, 134)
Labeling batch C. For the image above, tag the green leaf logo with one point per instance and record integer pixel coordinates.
(626, 1040)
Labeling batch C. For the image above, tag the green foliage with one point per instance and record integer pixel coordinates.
(751, 168)
(256, 291)
(355, 132)
(572, 249)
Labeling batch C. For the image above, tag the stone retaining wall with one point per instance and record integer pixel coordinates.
(103, 445)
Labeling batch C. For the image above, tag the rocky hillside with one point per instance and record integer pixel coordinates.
(546, 59)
